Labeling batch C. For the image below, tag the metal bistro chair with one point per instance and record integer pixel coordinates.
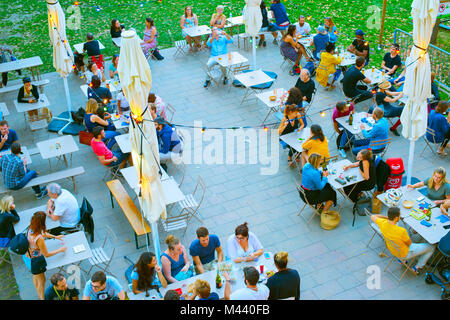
(111, 173)
(404, 262)
(236, 70)
(374, 227)
(99, 257)
(376, 143)
(308, 107)
(190, 204)
(433, 135)
(302, 195)
(177, 222)
(170, 112)
(212, 72)
(179, 45)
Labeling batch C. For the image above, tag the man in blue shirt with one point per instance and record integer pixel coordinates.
(218, 43)
(99, 93)
(438, 122)
(282, 22)
(379, 132)
(320, 41)
(170, 146)
(202, 251)
(103, 287)
(8, 136)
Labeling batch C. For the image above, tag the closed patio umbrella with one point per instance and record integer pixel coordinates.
(253, 23)
(418, 75)
(136, 80)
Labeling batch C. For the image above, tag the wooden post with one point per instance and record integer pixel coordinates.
(382, 22)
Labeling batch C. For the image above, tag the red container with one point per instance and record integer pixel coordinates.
(397, 170)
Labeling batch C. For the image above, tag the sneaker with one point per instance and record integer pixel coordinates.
(207, 83)
(275, 42)
(342, 153)
(394, 131)
(416, 270)
(42, 194)
(225, 80)
(264, 44)
(260, 42)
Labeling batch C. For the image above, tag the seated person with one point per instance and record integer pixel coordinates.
(113, 73)
(8, 136)
(434, 87)
(342, 109)
(218, 43)
(29, 94)
(328, 66)
(91, 46)
(104, 154)
(100, 94)
(400, 80)
(7, 55)
(159, 103)
(306, 85)
(151, 39)
(317, 143)
(286, 282)
(16, 174)
(8, 217)
(203, 249)
(295, 98)
(116, 28)
(292, 120)
(175, 261)
(330, 27)
(278, 12)
(189, 20)
(103, 287)
(315, 184)
(379, 132)
(320, 41)
(386, 99)
(392, 61)
(252, 291)
(63, 207)
(302, 27)
(93, 70)
(172, 295)
(438, 188)
(59, 290)
(291, 48)
(243, 245)
(439, 123)
(350, 82)
(147, 274)
(360, 47)
(170, 147)
(122, 103)
(366, 164)
(398, 235)
(92, 120)
(153, 111)
(264, 26)
(202, 289)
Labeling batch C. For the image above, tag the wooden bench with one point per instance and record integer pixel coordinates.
(16, 87)
(137, 222)
(48, 178)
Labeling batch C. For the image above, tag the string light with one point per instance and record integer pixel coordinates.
(76, 3)
(309, 18)
(322, 114)
(374, 91)
(266, 129)
(203, 129)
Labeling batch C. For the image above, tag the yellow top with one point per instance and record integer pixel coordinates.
(396, 234)
(326, 67)
(317, 146)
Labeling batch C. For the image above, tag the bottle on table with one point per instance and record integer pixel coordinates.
(350, 118)
(218, 280)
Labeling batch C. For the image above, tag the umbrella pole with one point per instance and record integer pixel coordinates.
(155, 237)
(254, 53)
(411, 149)
(69, 104)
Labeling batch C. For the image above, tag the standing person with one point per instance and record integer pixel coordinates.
(342, 109)
(330, 27)
(392, 61)
(8, 217)
(116, 28)
(218, 43)
(291, 48)
(360, 46)
(113, 72)
(105, 156)
(282, 22)
(36, 248)
(59, 290)
(264, 25)
(320, 41)
(175, 261)
(438, 188)
(286, 282)
(316, 143)
(16, 174)
(150, 39)
(350, 82)
(398, 235)
(63, 207)
(292, 120)
(202, 289)
(306, 85)
(8, 136)
(439, 123)
(7, 55)
(328, 66)
(203, 251)
(387, 100)
(252, 290)
(103, 287)
(29, 94)
(189, 20)
(302, 27)
(379, 131)
(243, 245)
(147, 274)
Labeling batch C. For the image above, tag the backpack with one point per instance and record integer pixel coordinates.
(19, 244)
(295, 70)
(78, 116)
(311, 68)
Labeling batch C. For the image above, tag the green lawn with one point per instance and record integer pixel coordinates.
(24, 22)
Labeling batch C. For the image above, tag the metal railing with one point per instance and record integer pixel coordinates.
(439, 58)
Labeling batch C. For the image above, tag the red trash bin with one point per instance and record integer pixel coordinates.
(397, 170)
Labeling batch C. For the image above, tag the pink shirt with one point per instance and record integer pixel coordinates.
(337, 114)
(100, 149)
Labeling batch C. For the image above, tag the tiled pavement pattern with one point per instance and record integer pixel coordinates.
(332, 264)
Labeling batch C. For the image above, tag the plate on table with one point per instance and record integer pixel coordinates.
(408, 204)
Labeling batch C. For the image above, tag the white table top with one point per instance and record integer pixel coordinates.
(336, 169)
(356, 127)
(4, 109)
(236, 275)
(347, 58)
(25, 156)
(236, 21)
(225, 61)
(124, 142)
(376, 76)
(69, 256)
(198, 31)
(279, 92)
(431, 234)
(57, 146)
(253, 78)
(20, 64)
(118, 41)
(112, 88)
(24, 106)
(296, 139)
(119, 122)
(79, 46)
(306, 40)
(404, 99)
(25, 218)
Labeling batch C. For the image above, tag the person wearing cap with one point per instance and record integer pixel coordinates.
(15, 172)
(8, 136)
(218, 43)
(330, 27)
(278, 12)
(391, 60)
(168, 140)
(386, 99)
(302, 27)
(359, 46)
(320, 41)
(29, 94)
(379, 131)
(350, 82)
(104, 154)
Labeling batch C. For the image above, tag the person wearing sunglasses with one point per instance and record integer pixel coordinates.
(243, 245)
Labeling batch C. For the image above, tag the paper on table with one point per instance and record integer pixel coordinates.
(79, 248)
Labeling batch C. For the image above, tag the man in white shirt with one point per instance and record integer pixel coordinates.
(253, 290)
(63, 207)
(302, 27)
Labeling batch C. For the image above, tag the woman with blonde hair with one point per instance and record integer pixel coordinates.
(286, 282)
(91, 120)
(8, 216)
(175, 261)
(438, 188)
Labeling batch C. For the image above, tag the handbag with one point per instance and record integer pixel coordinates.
(38, 264)
(330, 219)
(376, 205)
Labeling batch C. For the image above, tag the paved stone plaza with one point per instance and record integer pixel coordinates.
(332, 264)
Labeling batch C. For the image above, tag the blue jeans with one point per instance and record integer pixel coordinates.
(346, 136)
(390, 111)
(28, 176)
(109, 135)
(275, 27)
(121, 157)
(337, 74)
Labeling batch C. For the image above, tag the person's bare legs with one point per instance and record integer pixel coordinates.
(39, 284)
(303, 51)
(189, 41)
(299, 57)
(328, 205)
(304, 158)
